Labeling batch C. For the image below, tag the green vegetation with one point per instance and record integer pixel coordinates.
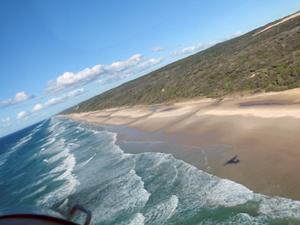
(269, 61)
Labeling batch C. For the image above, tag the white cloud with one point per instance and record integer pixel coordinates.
(158, 48)
(148, 64)
(201, 46)
(141, 67)
(20, 106)
(20, 97)
(22, 114)
(5, 120)
(234, 35)
(70, 80)
(5, 126)
(37, 107)
(193, 49)
(59, 100)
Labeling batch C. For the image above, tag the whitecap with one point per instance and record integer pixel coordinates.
(34, 193)
(50, 141)
(228, 194)
(79, 166)
(138, 219)
(22, 141)
(59, 155)
(3, 161)
(58, 194)
(67, 165)
(162, 211)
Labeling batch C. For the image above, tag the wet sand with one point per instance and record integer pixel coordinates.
(261, 130)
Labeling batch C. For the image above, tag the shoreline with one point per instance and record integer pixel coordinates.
(261, 130)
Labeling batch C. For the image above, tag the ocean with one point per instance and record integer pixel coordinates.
(58, 163)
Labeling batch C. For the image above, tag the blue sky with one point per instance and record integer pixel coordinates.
(55, 54)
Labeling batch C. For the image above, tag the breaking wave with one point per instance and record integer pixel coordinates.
(60, 163)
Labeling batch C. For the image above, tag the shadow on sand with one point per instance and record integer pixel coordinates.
(232, 161)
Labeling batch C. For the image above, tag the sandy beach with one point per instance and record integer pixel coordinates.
(262, 130)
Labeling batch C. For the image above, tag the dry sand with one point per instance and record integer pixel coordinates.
(262, 130)
(282, 21)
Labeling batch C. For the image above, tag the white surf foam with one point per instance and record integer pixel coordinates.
(228, 193)
(33, 184)
(49, 142)
(162, 211)
(3, 161)
(34, 193)
(18, 176)
(138, 219)
(22, 141)
(59, 155)
(14, 148)
(63, 206)
(277, 207)
(52, 124)
(69, 186)
(185, 187)
(79, 166)
(59, 194)
(125, 193)
(67, 165)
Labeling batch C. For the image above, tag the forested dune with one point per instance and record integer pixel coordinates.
(268, 61)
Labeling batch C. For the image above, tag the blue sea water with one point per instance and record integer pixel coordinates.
(59, 163)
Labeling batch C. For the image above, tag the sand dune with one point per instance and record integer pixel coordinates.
(282, 21)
